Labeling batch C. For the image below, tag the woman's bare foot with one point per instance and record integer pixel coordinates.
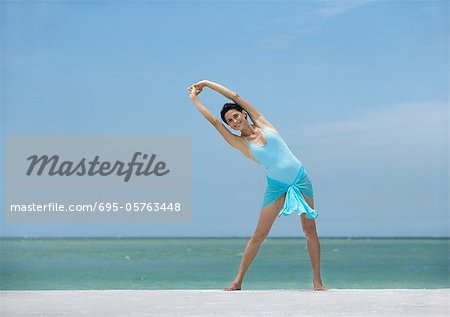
(233, 287)
(318, 286)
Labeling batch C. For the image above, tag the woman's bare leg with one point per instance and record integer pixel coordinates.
(266, 219)
(309, 228)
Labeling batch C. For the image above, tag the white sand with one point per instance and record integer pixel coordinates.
(342, 302)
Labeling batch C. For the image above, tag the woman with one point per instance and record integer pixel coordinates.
(288, 186)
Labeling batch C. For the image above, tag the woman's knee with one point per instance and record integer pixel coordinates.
(258, 237)
(310, 233)
(309, 228)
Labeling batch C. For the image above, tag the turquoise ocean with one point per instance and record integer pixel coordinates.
(211, 263)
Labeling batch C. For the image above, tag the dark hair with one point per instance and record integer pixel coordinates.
(229, 106)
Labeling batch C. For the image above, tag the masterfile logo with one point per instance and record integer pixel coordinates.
(98, 178)
(53, 166)
(97, 162)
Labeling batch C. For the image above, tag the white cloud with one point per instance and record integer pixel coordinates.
(330, 9)
(407, 135)
(302, 18)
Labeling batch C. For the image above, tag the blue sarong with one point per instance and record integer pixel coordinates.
(294, 200)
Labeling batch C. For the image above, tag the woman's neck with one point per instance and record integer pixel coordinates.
(248, 130)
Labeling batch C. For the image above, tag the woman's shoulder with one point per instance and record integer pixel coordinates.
(268, 127)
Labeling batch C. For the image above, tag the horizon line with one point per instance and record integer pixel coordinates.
(219, 237)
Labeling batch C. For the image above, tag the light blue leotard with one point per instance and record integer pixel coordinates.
(285, 174)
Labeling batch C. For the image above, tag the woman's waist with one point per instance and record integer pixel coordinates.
(283, 165)
(288, 178)
(286, 173)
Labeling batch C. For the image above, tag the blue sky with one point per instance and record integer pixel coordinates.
(358, 90)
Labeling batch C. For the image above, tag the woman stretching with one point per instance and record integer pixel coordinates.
(288, 185)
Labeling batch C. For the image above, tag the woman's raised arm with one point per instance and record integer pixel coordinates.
(255, 115)
(193, 95)
(231, 139)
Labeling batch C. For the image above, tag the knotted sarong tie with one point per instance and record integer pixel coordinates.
(294, 200)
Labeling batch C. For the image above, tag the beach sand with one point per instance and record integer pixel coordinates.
(335, 302)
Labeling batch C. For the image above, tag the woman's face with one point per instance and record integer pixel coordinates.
(235, 119)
